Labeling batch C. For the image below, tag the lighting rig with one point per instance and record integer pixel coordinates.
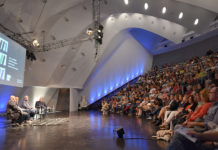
(98, 28)
(21, 40)
(33, 46)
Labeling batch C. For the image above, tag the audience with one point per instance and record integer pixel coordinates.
(210, 125)
(174, 96)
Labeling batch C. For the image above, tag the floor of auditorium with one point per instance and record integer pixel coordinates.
(81, 131)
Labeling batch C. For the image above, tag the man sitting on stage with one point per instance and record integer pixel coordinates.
(27, 108)
(40, 105)
(15, 113)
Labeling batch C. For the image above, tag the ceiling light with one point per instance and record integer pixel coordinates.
(126, 2)
(35, 43)
(196, 22)
(164, 10)
(181, 15)
(146, 6)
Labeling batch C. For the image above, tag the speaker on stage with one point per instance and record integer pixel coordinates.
(120, 132)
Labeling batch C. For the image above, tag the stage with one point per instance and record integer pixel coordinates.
(80, 131)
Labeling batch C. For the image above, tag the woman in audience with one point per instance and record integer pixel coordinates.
(200, 111)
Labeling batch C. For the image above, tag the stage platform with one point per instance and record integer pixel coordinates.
(80, 131)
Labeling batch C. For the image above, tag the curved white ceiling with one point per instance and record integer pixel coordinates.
(57, 70)
(206, 4)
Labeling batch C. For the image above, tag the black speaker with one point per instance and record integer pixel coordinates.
(120, 132)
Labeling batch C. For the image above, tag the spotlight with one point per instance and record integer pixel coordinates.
(101, 27)
(30, 55)
(99, 34)
(126, 2)
(35, 43)
(120, 132)
(89, 31)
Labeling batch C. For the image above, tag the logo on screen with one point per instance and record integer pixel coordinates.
(3, 45)
(2, 73)
(3, 57)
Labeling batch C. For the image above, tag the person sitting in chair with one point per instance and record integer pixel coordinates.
(27, 108)
(41, 105)
(14, 112)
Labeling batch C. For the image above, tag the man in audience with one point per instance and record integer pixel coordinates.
(26, 106)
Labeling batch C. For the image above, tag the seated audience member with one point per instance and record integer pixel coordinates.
(41, 105)
(205, 141)
(172, 106)
(27, 108)
(142, 107)
(105, 107)
(201, 111)
(182, 116)
(169, 115)
(210, 123)
(15, 113)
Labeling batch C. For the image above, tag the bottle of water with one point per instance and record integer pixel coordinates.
(53, 109)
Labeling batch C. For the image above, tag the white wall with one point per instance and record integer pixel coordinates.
(74, 100)
(127, 60)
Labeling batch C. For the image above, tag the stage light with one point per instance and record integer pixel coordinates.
(126, 2)
(101, 27)
(99, 34)
(196, 22)
(30, 55)
(181, 15)
(35, 43)
(146, 6)
(120, 132)
(164, 10)
(89, 31)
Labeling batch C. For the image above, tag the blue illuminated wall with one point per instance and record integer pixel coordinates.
(146, 38)
(127, 60)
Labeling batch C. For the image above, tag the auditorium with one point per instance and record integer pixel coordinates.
(108, 74)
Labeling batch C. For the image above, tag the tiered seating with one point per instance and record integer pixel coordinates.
(170, 95)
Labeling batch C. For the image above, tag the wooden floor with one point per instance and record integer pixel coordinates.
(81, 131)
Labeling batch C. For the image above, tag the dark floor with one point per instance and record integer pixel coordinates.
(83, 131)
